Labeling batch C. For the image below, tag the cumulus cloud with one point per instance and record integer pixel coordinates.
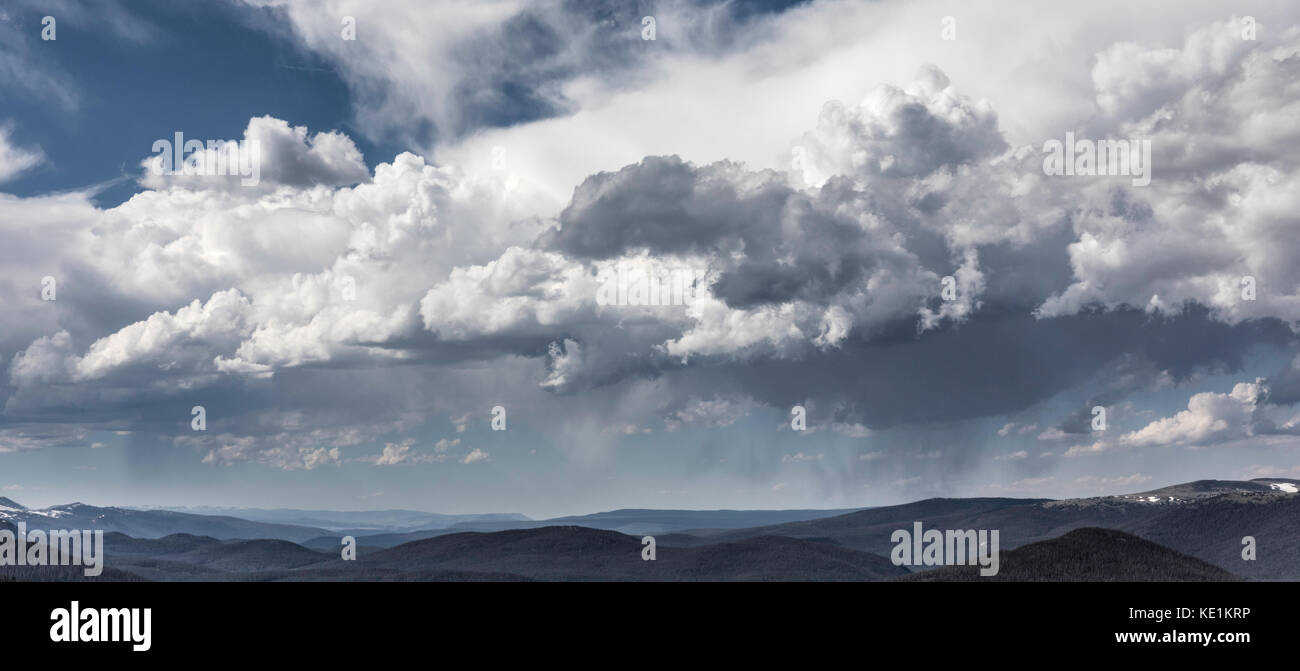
(402, 452)
(1210, 418)
(791, 269)
(475, 455)
(271, 154)
(231, 449)
(824, 280)
(714, 412)
(1213, 418)
(370, 241)
(1219, 113)
(1019, 429)
(900, 132)
(1095, 447)
(1132, 80)
(852, 430)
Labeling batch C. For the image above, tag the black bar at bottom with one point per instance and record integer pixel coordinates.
(929, 622)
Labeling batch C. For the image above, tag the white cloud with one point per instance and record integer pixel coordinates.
(893, 132)
(394, 453)
(13, 159)
(287, 450)
(403, 452)
(223, 285)
(1209, 417)
(1095, 447)
(1023, 429)
(852, 430)
(1220, 114)
(748, 103)
(235, 449)
(271, 154)
(375, 236)
(714, 412)
(1052, 433)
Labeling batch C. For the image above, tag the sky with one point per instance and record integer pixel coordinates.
(414, 276)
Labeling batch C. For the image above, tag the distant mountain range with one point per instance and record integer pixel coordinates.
(558, 553)
(150, 523)
(351, 522)
(583, 553)
(1206, 519)
(1191, 531)
(1087, 555)
(636, 522)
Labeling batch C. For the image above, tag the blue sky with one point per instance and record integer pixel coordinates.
(439, 200)
(203, 67)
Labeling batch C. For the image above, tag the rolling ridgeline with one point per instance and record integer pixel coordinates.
(1189, 532)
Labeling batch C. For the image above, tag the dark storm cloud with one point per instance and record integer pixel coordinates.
(795, 245)
(990, 365)
(666, 205)
(1284, 386)
(1021, 277)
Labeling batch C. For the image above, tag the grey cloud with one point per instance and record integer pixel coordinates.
(822, 291)
(910, 132)
(1284, 386)
(794, 246)
(990, 365)
(667, 205)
